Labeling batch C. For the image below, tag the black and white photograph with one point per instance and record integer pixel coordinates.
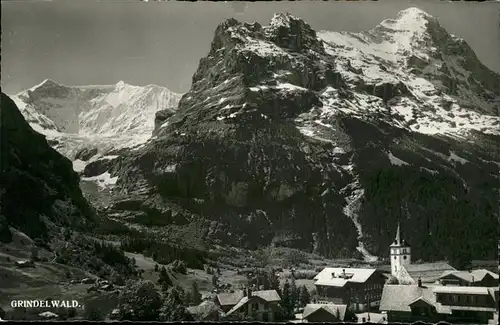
(231, 161)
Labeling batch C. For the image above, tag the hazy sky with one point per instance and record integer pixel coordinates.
(78, 42)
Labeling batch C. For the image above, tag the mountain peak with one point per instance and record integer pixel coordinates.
(282, 19)
(413, 13)
(47, 83)
(411, 19)
(120, 84)
(292, 33)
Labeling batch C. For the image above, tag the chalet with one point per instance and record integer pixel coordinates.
(228, 300)
(206, 311)
(409, 303)
(359, 289)
(408, 273)
(263, 305)
(476, 278)
(324, 313)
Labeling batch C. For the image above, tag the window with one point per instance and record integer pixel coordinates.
(394, 257)
(404, 257)
(404, 251)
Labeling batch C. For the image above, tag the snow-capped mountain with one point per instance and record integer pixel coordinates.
(105, 118)
(324, 142)
(447, 90)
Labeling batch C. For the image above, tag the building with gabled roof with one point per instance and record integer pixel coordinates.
(477, 278)
(409, 303)
(262, 305)
(318, 313)
(357, 288)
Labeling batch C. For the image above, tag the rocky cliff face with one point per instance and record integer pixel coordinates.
(38, 186)
(287, 138)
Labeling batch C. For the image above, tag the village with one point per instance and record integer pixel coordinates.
(430, 292)
(403, 291)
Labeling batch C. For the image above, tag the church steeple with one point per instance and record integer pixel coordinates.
(400, 253)
(397, 240)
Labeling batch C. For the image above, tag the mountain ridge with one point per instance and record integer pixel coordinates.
(282, 138)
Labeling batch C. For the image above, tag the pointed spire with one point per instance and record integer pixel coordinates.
(398, 236)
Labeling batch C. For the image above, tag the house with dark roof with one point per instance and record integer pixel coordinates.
(262, 305)
(408, 273)
(410, 303)
(476, 278)
(324, 313)
(357, 288)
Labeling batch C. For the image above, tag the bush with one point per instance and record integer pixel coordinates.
(140, 301)
(92, 310)
(71, 312)
(309, 275)
(179, 267)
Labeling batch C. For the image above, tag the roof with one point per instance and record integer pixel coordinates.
(267, 295)
(473, 276)
(421, 298)
(462, 290)
(428, 272)
(494, 293)
(240, 304)
(330, 308)
(230, 298)
(473, 308)
(358, 275)
(399, 297)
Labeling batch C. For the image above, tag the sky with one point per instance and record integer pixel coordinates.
(88, 42)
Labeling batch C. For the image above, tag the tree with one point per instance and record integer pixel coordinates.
(92, 309)
(139, 301)
(195, 294)
(286, 299)
(174, 306)
(164, 279)
(294, 293)
(304, 296)
(215, 280)
(5, 234)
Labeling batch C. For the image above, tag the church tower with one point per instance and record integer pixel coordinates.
(400, 254)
